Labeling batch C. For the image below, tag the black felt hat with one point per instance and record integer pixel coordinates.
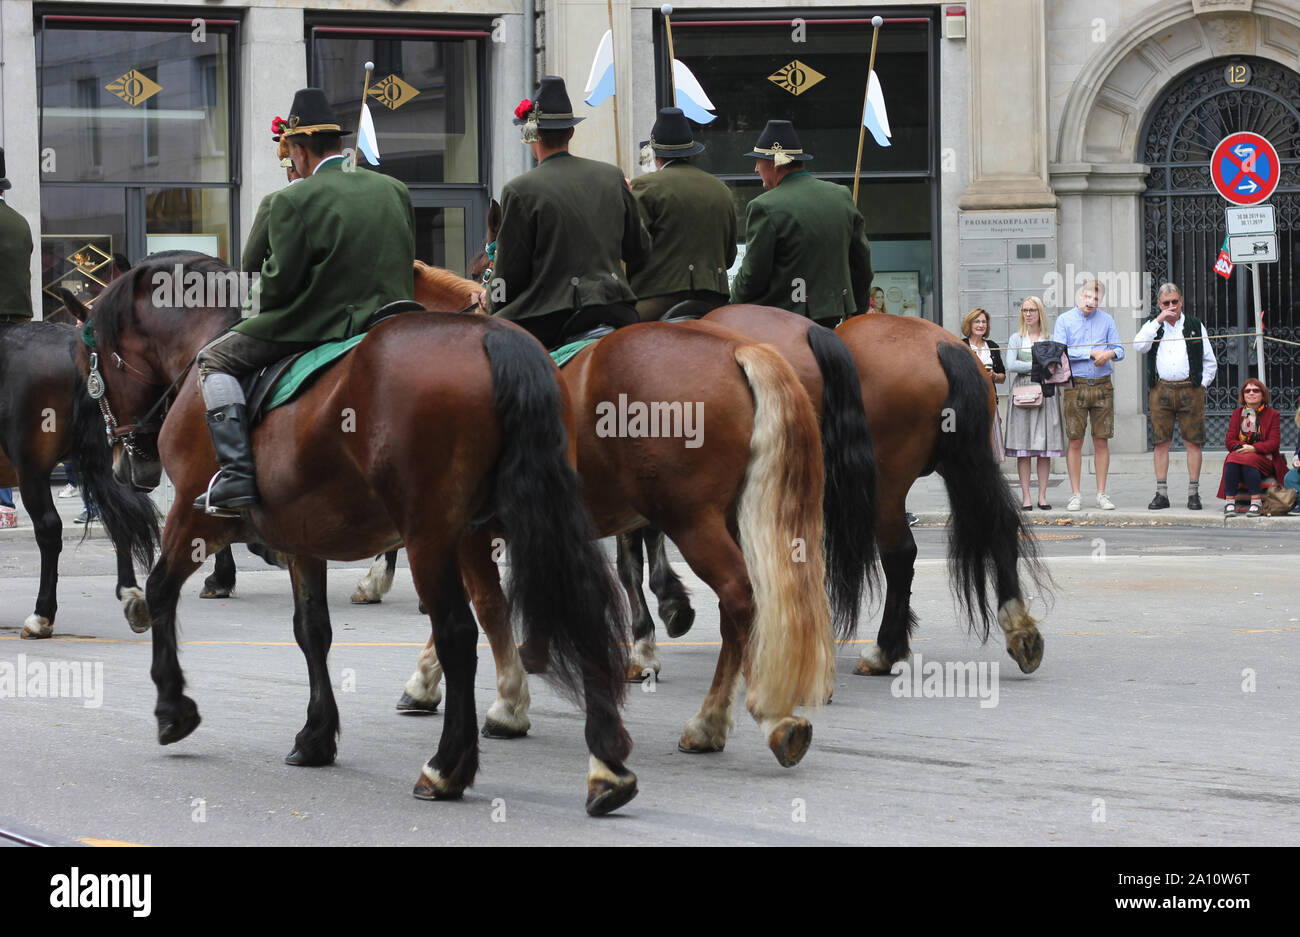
(551, 108)
(779, 143)
(311, 115)
(4, 181)
(671, 136)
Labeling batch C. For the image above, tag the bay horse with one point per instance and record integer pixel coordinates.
(431, 424)
(744, 508)
(913, 367)
(46, 418)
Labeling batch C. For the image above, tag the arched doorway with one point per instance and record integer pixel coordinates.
(1184, 224)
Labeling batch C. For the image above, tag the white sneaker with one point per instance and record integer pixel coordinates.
(1104, 502)
(1075, 503)
(67, 491)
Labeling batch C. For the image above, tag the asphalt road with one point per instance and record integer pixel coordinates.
(1164, 713)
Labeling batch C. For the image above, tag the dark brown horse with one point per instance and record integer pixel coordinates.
(45, 418)
(742, 500)
(429, 424)
(930, 408)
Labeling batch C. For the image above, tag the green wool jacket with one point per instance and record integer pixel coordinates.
(692, 222)
(342, 245)
(258, 246)
(15, 264)
(806, 250)
(566, 218)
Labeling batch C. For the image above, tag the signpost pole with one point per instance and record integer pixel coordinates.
(1259, 321)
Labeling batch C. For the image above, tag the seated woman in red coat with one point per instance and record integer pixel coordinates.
(1254, 442)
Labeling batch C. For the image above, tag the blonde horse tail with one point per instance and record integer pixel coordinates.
(790, 659)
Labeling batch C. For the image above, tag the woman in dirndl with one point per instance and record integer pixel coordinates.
(1032, 432)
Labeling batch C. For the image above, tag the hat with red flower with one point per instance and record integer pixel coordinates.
(548, 109)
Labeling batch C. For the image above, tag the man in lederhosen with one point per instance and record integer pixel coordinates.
(567, 227)
(806, 244)
(342, 244)
(691, 220)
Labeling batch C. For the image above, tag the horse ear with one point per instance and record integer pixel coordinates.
(494, 217)
(121, 263)
(73, 306)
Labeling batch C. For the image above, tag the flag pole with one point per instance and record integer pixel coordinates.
(667, 11)
(618, 139)
(361, 114)
(876, 23)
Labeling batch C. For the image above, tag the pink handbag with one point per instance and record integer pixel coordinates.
(1027, 395)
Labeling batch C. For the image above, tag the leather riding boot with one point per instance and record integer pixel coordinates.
(237, 485)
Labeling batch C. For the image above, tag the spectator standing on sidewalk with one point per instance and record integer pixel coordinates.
(1093, 342)
(1180, 365)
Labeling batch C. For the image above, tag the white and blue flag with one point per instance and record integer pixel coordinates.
(367, 143)
(600, 83)
(874, 117)
(691, 98)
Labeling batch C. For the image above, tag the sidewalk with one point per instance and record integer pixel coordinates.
(68, 508)
(1130, 484)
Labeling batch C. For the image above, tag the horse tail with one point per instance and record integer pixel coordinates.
(560, 587)
(987, 536)
(129, 516)
(791, 652)
(851, 481)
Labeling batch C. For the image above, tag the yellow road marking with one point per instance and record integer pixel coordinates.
(109, 842)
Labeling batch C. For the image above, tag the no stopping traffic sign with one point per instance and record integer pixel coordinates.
(1245, 168)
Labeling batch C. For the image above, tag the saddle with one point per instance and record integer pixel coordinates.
(283, 380)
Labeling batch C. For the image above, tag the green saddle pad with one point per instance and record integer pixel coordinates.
(564, 354)
(307, 366)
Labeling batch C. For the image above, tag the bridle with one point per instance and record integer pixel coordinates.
(96, 388)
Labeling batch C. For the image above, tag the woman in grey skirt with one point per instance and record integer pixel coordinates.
(1032, 432)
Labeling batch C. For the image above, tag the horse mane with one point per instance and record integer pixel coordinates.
(443, 291)
(119, 296)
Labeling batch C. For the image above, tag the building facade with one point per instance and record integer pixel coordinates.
(1034, 143)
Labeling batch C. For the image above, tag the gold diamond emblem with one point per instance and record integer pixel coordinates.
(796, 77)
(133, 87)
(392, 92)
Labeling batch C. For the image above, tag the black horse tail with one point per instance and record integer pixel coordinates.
(987, 536)
(851, 482)
(129, 516)
(561, 587)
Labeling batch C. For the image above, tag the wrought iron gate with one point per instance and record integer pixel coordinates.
(1183, 225)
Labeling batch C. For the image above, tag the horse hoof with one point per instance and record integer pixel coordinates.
(136, 611)
(410, 706)
(37, 627)
(433, 786)
(300, 759)
(605, 795)
(363, 598)
(680, 621)
(215, 592)
(182, 724)
(497, 730)
(872, 663)
(790, 739)
(1026, 649)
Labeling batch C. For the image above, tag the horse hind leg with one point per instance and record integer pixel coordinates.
(221, 584)
(437, 580)
(897, 620)
(1020, 629)
(421, 694)
(317, 742)
(507, 718)
(643, 662)
(674, 601)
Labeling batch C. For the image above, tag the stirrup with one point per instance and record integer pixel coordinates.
(209, 507)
